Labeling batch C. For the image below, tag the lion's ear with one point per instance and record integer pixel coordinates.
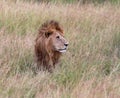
(47, 34)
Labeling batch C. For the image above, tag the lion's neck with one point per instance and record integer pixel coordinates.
(55, 57)
(47, 59)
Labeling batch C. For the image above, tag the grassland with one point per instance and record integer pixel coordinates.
(89, 69)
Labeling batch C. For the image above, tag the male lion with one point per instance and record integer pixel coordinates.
(49, 45)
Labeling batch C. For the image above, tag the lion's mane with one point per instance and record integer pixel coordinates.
(45, 57)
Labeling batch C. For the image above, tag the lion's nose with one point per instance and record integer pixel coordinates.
(66, 44)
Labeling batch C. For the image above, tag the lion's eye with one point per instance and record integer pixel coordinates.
(57, 37)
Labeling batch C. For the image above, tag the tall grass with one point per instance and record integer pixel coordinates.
(89, 69)
(71, 1)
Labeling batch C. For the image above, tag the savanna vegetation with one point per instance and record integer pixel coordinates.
(89, 69)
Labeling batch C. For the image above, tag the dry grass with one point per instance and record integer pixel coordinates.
(89, 69)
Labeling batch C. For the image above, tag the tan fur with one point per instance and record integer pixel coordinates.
(46, 57)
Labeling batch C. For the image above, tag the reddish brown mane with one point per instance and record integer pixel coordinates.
(46, 58)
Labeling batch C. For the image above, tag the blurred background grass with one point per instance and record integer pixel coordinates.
(71, 1)
(89, 69)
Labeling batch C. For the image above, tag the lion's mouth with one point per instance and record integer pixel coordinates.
(62, 50)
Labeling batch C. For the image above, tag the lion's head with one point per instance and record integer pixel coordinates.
(50, 43)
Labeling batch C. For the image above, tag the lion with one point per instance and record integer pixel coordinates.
(49, 45)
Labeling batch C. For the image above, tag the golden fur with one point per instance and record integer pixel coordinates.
(45, 55)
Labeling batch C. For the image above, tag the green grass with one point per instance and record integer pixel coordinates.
(89, 69)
